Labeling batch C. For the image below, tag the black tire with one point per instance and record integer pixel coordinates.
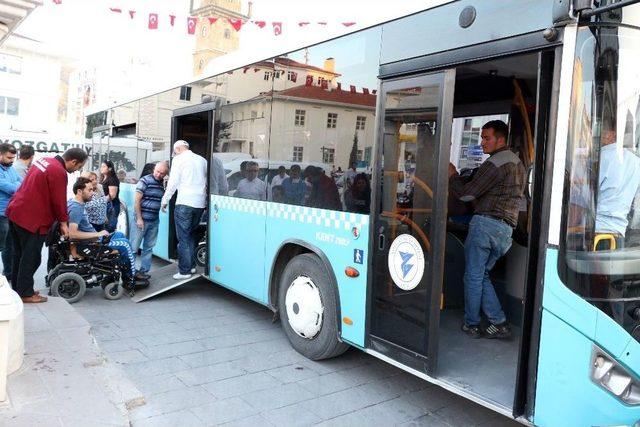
(325, 343)
(70, 286)
(113, 291)
(201, 255)
(52, 275)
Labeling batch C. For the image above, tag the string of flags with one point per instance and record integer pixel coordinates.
(153, 21)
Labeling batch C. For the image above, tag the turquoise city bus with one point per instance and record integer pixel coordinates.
(372, 256)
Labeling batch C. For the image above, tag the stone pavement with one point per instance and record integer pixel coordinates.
(65, 379)
(202, 355)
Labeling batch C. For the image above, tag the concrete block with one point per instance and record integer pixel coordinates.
(224, 411)
(277, 397)
(240, 385)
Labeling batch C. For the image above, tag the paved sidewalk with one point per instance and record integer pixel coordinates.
(65, 379)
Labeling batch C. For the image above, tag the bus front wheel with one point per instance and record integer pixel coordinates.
(307, 302)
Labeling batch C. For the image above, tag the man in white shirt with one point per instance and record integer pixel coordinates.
(277, 180)
(189, 177)
(252, 187)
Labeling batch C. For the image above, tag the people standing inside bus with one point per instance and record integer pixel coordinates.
(10, 181)
(324, 191)
(219, 183)
(496, 191)
(149, 192)
(252, 187)
(25, 157)
(294, 187)
(111, 188)
(277, 180)
(188, 177)
(357, 198)
(96, 207)
(349, 176)
(39, 202)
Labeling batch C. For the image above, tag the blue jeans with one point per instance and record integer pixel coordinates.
(6, 246)
(187, 220)
(113, 211)
(147, 236)
(488, 240)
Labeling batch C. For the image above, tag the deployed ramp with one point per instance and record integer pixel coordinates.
(162, 280)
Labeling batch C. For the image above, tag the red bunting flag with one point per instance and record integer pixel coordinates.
(153, 21)
(352, 89)
(132, 13)
(172, 19)
(212, 20)
(255, 70)
(277, 28)
(348, 24)
(309, 81)
(115, 9)
(374, 91)
(322, 23)
(57, 1)
(260, 24)
(191, 24)
(302, 24)
(235, 23)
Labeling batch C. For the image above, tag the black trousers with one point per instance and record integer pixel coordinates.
(27, 250)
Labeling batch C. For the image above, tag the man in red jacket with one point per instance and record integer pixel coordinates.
(38, 203)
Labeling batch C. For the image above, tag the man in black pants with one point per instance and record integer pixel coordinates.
(39, 202)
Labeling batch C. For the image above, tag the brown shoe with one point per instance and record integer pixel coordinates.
(34, 299)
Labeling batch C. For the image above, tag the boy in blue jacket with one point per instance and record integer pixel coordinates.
(9, 183)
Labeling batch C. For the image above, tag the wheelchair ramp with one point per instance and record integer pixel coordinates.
(162, 280)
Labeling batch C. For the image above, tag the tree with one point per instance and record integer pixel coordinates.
(353, 156)
(94, 120)
(221, 132)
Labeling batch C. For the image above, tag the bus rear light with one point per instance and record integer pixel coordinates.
(614, 378)
(347, 321)
(351, 272)
(218, 268)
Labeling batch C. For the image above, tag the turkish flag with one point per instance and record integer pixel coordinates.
(153, 21)
(115, 9)
(348, 24)
(57, 1)
(172, 19)
(365, 91)
(260, 24)
(213, 20)
(235, 23)
(132, 13)
(309, 81)
(191, 24)
(302, 24)
(294, 76)
(277, 28)
(322, 23)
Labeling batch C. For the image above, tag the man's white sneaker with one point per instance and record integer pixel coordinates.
(179, 276)
(193, 271)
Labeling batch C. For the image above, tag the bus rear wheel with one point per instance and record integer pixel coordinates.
(307, 302)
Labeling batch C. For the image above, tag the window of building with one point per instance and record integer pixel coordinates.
(227, 33)
(359, 154)
(204, 31)
(267, 75)
(332, 120)
(185, 93)
(10, 64)
(277, 74)
(360, 122)
(9, 106)
(292, 76)
(367, 155)
(254, 114)
(328, 155)
(297, 154)
(300, 117)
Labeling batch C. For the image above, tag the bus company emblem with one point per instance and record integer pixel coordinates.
(406, 262)
(355, 232)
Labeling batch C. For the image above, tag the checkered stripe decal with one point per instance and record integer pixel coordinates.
(302, 214)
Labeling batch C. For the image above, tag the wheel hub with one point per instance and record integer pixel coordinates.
(304, 307)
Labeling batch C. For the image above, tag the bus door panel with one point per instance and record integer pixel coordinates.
(410, 221)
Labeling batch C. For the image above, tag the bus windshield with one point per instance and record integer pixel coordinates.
(602, 210)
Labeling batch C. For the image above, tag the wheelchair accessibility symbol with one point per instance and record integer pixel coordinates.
(406, 262)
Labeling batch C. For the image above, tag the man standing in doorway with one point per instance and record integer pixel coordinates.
(189, 178)
(149, 192)
(9, 183)
(496, 191)
(25, 157)
(39, 202)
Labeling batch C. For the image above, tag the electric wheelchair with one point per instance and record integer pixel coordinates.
(74, 266)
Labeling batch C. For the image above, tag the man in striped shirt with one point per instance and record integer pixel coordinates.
(496, 192)
(149, 192)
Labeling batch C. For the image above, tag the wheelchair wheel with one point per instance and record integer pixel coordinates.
(70, 286)
(201, 255)
(113, 291)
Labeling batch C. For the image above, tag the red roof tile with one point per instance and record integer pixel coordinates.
(334, 95)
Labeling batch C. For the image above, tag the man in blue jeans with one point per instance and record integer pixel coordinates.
(9, 183)
(149, 192)
(496, 191)
(188, 177)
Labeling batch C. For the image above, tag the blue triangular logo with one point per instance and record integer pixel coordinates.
(406, 268)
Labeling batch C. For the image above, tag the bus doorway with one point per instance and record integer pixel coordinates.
(417, 295)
